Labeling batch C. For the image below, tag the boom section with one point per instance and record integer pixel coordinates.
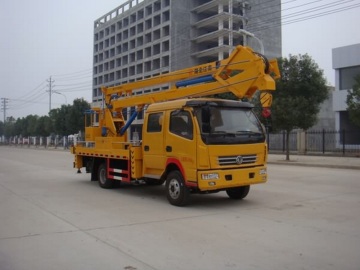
(242, 73)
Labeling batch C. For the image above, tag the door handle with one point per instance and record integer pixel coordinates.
(168, 148)
(146, 148)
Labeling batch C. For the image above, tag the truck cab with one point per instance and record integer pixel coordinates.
(203, 146)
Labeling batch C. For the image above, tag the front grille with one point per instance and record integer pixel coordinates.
(236, 160)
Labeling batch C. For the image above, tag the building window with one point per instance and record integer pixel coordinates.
(148, 24)
(140, 41)
(118, 37)
(166, 31)
(157, 20)
(347, 77)
(165, 61)
(157, 6)
(156, 49)
(156, 34)
(351, 131)
(140, 14)
(166, 16)
(166, 46)
(148, 10)
(166, 3)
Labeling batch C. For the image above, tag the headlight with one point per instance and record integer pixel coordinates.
(262, 171)
(209, 176)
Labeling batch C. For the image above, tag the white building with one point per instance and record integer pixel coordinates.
(346, 62)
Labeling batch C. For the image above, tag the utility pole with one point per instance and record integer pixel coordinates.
(50, 81)
(4, 102)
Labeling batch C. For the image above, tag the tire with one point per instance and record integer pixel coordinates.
(104, 182)
(176, 191)
(238, 193)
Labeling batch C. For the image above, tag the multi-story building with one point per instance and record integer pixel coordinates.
(346, 62)
(143, 38)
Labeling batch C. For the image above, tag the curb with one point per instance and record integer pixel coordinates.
(295, 163)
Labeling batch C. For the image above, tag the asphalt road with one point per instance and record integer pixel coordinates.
(53, 218)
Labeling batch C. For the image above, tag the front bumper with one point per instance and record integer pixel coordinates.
(229, 178)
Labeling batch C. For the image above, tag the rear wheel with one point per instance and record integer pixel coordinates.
(238, 193)
(176, 191)
(104, 182)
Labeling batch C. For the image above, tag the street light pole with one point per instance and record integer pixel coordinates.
(247, 33)
(56, 92)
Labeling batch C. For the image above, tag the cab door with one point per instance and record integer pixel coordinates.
(154, 158)
(180, 142)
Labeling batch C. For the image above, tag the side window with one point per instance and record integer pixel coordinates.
(154, 122)
(181, 124)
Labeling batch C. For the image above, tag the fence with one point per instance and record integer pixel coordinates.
(302, 142)
(37, 141)
(318, 142)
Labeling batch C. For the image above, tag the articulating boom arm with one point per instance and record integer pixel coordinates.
(242, 73)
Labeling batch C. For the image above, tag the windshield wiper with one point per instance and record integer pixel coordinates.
(218, 133)
(248, 132)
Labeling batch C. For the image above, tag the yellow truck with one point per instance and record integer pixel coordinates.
(190, 141)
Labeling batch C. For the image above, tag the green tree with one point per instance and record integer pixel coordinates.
(298, 96)
(9, 127)
(43, 126)
(68, 119)
(20, 127)
(76, 116)
(31, 122)
(353, 102)
(59, 118)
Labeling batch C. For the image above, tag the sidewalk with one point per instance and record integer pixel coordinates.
(316, 161)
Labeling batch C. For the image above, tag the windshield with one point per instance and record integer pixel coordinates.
(229, 125)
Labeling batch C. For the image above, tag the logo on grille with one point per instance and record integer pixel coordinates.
(239, 159)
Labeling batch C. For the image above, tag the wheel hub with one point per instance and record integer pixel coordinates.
(174, 189)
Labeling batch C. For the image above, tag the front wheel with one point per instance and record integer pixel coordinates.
(176, 191)
(238, 193)
(104, 182)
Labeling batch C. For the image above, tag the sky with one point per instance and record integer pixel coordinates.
(45, 41)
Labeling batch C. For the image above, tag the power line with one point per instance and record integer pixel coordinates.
(22, 102)
(277, 21)
(27, 103)
(73, 73)
(75, 89)
(74, 84)
(297, 13)
(33, 92)
(74, 78)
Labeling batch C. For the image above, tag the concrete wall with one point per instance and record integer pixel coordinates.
(180, 38)
(264, 20)
(346, 56)
(326, 116)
